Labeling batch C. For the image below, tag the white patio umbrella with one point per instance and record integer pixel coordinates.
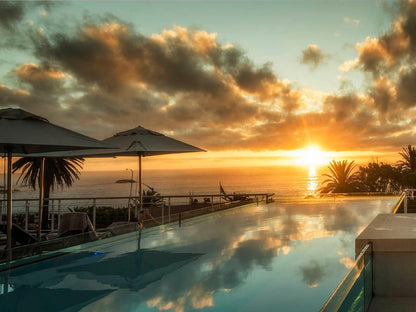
(24, 133)
(139, 142)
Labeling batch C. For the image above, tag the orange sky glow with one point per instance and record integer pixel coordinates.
(234, 159)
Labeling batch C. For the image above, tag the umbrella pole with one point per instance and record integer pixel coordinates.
(41, 187)
(9, 206)
(4, 181)
(140, 184)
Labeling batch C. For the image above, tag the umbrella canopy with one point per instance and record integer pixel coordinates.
(148, 143)
(22, 132)
(138, 141)
(133, 142)
(25, 133)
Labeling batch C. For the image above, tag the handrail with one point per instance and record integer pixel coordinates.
(145, 196)
(323, 195)
(399, 203)
(167, 202)
(334, 303)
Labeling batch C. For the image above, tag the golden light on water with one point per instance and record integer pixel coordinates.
(312, 171)
(313, 182)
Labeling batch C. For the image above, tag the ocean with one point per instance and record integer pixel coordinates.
(283, 181)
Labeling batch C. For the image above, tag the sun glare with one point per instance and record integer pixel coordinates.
(311, 156)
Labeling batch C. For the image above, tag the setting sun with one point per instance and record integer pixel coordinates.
(311, 156)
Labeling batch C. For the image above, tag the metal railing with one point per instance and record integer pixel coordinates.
(402, 205)
(25, 211)
(355, 291)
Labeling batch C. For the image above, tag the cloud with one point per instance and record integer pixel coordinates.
(342, 219)
(384, 94)
(13, 97)
(388, 62)
(347, 262)
(185, 77)
(397, 46)
(187, 83)
(348, 65)
(313, 56)
(40, 78)
(373, 56)
(351, 21)
(14, 26)
(11, 12)
(312, 273)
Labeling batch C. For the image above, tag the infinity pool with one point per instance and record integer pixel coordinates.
(276, 257)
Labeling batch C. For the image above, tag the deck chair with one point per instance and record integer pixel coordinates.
(224, 194)
(19, 235)
(74, 223)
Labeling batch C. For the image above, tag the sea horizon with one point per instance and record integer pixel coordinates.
(290, 180)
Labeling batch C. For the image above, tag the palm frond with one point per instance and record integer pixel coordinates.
(59, 172)
(341, 177)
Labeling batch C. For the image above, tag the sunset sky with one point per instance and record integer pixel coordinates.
(252, 82)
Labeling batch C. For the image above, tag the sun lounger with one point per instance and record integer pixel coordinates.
(19, 235)
(74, 223)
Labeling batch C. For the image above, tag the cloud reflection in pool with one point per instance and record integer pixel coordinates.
(281, 256)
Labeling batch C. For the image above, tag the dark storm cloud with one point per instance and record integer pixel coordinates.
(313, 56)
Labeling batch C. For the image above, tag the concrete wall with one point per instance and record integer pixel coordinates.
(394, 274)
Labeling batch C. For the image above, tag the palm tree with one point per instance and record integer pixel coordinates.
(59, 172)
(409, 156)
(341, 179)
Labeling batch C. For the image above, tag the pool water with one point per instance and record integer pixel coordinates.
(283, 256)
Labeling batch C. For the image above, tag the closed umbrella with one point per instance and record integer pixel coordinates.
(24, 133)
